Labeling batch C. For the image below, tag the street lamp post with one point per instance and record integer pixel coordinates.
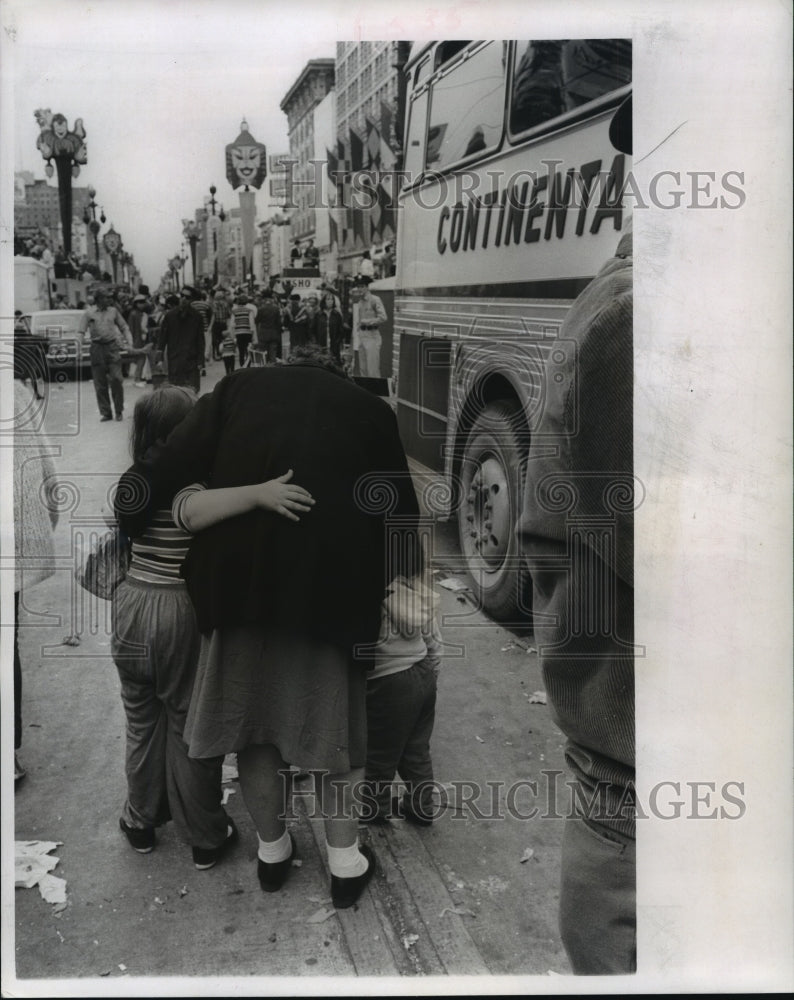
(91, 221)
(68, 149)
(192, 233)
(112, 243)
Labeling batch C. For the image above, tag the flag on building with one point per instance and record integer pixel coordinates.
(373, 143)
(386, 123)
(332, 166)
(356, 151)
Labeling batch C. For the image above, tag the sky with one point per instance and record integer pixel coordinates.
(161, 89)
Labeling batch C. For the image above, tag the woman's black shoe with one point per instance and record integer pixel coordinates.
(272, 875)
(346, 891)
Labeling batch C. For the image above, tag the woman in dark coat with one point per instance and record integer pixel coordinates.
(284, 609)
(330, 327)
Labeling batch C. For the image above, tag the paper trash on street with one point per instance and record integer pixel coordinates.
(32, 861)
(52, 889)
(453, 583)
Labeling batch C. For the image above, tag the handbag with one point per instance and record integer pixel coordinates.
(105, 565)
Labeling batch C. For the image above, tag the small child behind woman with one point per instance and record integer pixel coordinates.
(401, 704)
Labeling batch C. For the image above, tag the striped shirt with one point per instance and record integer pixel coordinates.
(203, 308)
(243, 319)
(158, 553)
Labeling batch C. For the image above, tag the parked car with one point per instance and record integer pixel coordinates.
(68, 350)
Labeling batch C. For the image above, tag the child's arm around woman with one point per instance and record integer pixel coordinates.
(196, 508)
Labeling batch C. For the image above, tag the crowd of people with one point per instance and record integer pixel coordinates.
(174, 336)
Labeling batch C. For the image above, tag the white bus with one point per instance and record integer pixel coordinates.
(510, 204)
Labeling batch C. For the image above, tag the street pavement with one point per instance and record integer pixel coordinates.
(475, 895)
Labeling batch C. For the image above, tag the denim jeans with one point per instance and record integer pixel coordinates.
(401, 712)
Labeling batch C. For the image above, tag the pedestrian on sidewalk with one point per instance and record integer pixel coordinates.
(589, 672)
(242, 323)
(219, 321)
(282, 606)
(35, 511)
(269, 327)
(228, 348)
(181, 341)
(203, 308)
(141, 340)
(401, 706)
(330, 326)
(370, 314)
(155, 647)
(109, 335)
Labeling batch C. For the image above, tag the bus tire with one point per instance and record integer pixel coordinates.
(492, 482)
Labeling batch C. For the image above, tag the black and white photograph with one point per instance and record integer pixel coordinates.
(401, 565)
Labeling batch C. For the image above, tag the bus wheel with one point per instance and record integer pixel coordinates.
(492, 480)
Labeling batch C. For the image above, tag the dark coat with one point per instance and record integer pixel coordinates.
(327, 330)
(181, 337)
(324, 575)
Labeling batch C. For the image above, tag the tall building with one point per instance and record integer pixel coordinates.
(275, 237)
(37, 209)
(369, 115)
(314, 84)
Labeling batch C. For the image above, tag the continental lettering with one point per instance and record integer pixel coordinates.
(531, 206)
(441, 242)
(559, 200)
(456, 227)
(472, 221)
(536, 209)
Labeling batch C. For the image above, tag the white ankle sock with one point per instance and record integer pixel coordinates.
(273, 851)
(346, 862)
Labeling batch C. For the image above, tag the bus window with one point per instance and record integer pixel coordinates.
(551, 78)
(467, 108)
(447, 51)
(415, 146)
(422, 71)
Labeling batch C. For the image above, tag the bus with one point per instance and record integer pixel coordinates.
(511, 201)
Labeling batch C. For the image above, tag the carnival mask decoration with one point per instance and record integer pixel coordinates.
(56, 142)
(246, 160)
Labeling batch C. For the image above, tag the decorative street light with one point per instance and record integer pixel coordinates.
(183, 259)
(112, 243)
(192, 233)
(91, 221)
(126, 268)
(68, 149)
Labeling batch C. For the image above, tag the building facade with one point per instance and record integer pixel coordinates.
(313, 85)
(37, 211)
(369, 114)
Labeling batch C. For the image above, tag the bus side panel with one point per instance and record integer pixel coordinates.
(424, 369)
(540, 217)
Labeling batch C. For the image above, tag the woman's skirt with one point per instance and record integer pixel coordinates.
(256, 686)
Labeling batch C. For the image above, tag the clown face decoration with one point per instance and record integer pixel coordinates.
(246, 160)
